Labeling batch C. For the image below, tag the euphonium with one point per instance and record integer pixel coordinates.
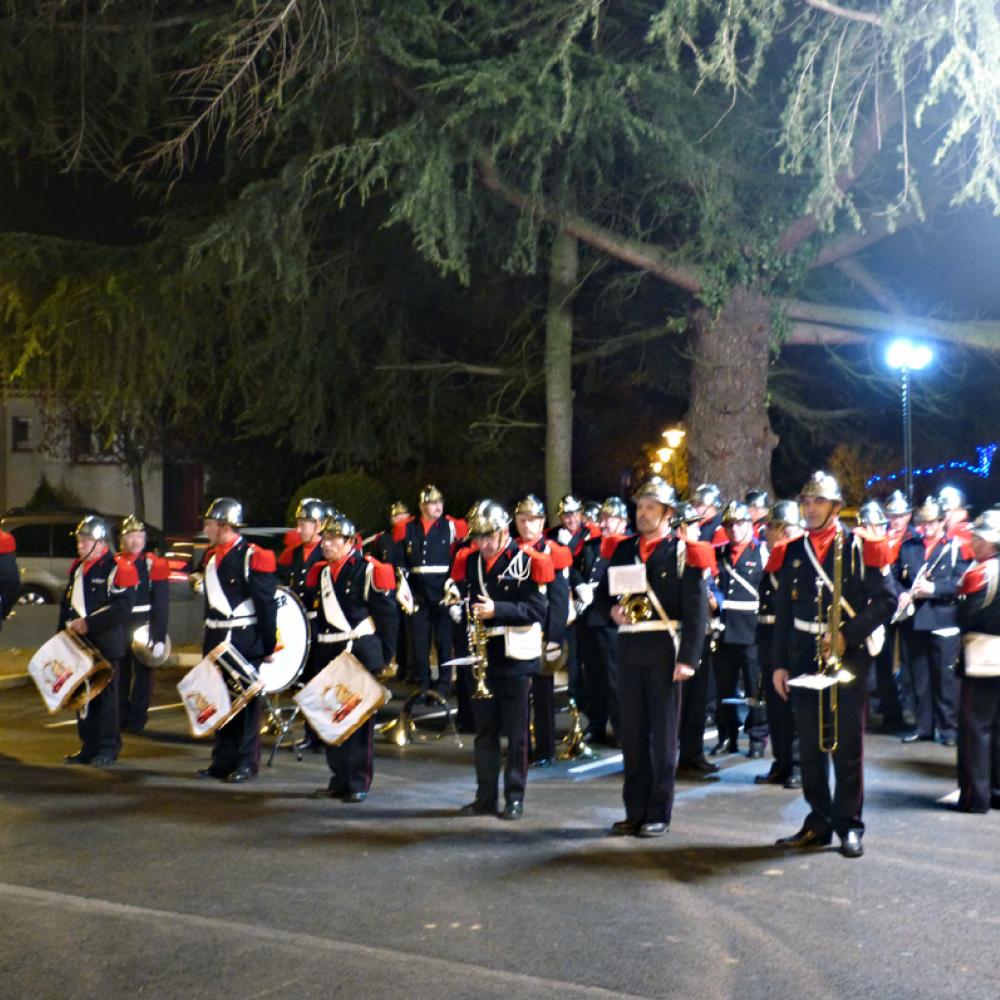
(637, 608)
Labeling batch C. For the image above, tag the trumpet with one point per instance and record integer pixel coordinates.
(478, 639)
(636, 607)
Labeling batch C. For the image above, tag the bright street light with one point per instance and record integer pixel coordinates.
(904, 353)
(907, 356)
(674, 437)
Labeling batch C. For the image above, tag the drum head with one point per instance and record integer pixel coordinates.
(292, 648)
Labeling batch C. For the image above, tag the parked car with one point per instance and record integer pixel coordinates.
(46, 548)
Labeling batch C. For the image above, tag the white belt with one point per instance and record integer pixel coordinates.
(656, 625)
(241, 621)
(492, 633)
(813, 628)
(729, 605)
(766, 620)
(429, 569)
(141, 607)
(310, 614)
(367, 627)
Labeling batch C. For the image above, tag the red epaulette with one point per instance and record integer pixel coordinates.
(609, 543)
(720, 537)
(262, 560)
(126, 575)
(542, 570)
(594, 530)
(292, 539)
(399, 528)
(312, 577)
(777, 557)
(458, 564)
(7, 543)
(461, 526)
(562, 558)
(383, 575)
(700, 555)
(285, 559)
(160, 570)
(876, 552)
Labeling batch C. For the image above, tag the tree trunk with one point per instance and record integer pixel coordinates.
(563, 276)
(729, 438)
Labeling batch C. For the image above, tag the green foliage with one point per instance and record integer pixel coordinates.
(48, 497)
(355, 493)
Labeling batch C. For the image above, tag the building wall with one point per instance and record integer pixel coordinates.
(101, 484)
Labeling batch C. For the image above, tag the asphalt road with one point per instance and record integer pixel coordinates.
(143, 881)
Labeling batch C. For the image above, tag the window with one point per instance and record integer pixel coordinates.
(87, 446)
(20, 434)
(32, 539)
(64, 540)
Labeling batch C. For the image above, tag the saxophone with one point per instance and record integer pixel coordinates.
(477, 638)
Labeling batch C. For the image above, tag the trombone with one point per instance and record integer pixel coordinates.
(829, 661)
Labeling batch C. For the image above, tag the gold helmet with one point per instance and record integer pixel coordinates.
(735, 511)
(822, 486)
(430, 494)
(569, 504)
(131, 523)
(657, 489)
(530, 505)
(488, 518)
(396, 508)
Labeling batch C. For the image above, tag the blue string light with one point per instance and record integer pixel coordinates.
(985, 453)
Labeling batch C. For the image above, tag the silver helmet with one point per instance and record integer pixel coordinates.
(687, 514)
(489, 517)
(757, 498)
(987, 526)
(929, 510)
(530, 505)
(225, 509)
(94, 526)
(871, 515)
(658, 489)
(569, 504)
(708, 495)
(591, 511)
(823, 486)
(785, 514)
(310, 509)
(950, 498)
(897, 503)
(340, 525)
(614, 507)
(735, 511)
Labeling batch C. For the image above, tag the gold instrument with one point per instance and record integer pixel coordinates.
(830, 664)
(477, 638)
(637, 608)
(573, 744)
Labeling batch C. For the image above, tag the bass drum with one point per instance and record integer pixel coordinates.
(292, 648)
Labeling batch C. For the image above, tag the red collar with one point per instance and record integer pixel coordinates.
(428, 523)
(822, 539)
(648, 545)
(336, 567)
(221, 551)
(736, 549)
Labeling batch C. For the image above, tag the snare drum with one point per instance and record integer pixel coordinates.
(292, 647)
(69, 671)
(218, 688)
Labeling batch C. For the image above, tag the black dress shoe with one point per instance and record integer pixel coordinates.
(805, 838)
(699, 764)
(79, 758)
(355, 796)
(477, 808)
(850, 844)
(653, 829)
(241, 775)
(916, 738)
(513, 810)
(541, 762)
(211, 772)
(794, 781)
(771, 778)
(625, 828)
(103, 760)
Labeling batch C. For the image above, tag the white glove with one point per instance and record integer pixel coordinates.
(564, 536)
(584, 595)
(455, 613)
(158, 648)
(452, 595)
(553, 650)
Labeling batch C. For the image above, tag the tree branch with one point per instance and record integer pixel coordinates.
(855, 271)
(822, 335)
(851, 15)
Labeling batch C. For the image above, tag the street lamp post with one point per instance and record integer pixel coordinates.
(907, 356)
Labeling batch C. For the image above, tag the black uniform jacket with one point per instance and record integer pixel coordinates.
(740, 587)
(516, 583)
(680, 589)
(108, 596)
(417, 550)
(294, 564)
(938, 610)
(556, 592)
(152, 594)
(868, 590)
(979, 604)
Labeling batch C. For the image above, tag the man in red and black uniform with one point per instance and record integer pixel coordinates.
(97, 605)
(807, 578)
(354, 598)
(10, 579)
(529, 521)
(655, 657)
(505, 588)
(151, 611)
(426, 545)
(759, 505)
(956, 518)
(294, 564)
(386, 550)
(240, 609)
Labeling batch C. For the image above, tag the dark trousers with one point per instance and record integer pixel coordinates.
(886, 683)
(135, 689)
(732, 663)
(237, 743)
(692, 727)
(543, 715)
(506, 714)
(431, 621)
(576, 685)
(979, 743)
(935, 687)
(97, 724)
(651, 706)
(840, 811)
(350, 763)
(598, 649)
(781, 727)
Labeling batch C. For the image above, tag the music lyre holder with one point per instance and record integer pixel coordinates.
(279, 721)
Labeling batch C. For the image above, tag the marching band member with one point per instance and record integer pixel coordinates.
(506, 589)
(97, 604)
(529, 522)
(354, 598)
(386, 550)
(152, 608)
(804, 582)
(979, 707)
(784, 524)
(931, 566)
(240, 609)
(758, 505)
(741, 567)
(956, 518)
(426, 545)
(655, 656)
(10, 579)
